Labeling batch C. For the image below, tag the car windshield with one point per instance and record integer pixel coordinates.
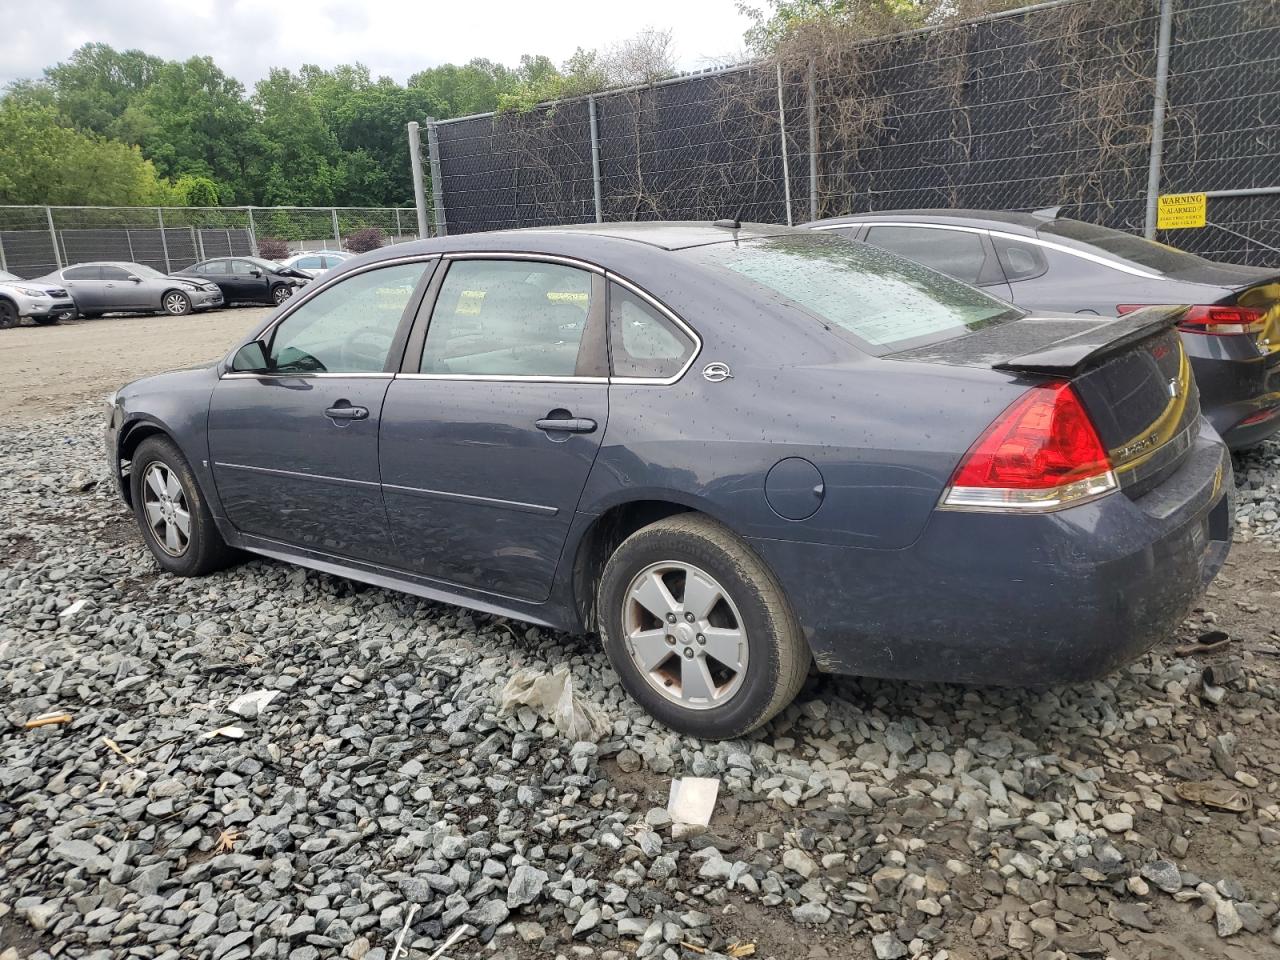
(262, 264)
(7, 277)
(143, 271)
(1126, 246)
(881, 300)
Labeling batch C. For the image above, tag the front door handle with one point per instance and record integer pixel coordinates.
(343, 410)
(566, 425)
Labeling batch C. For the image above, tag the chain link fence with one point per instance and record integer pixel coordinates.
(38, 240)
(1046, 106)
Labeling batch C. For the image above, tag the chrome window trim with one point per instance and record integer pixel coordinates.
(311, 291)
(300, 376)
(1004, 235)
(499, 378)
(670, 315)
(540, 257)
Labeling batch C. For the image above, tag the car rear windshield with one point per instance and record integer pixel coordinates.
(882, 301)
(1126, 246)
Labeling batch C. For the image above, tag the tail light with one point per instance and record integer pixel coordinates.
(1040, 454)
(1213, 320)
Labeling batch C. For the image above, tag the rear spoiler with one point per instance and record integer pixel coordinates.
(1070, 355)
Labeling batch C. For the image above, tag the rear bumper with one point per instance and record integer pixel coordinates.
(1017, 600)
(1237, 383)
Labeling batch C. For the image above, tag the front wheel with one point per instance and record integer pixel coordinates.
(698, 629)
(280, 293)
(176, 303)
(8, 315)
(172, 513)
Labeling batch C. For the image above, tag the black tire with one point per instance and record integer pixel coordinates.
(175, 303)
(205, 550)
(280, 293)
(48, 321)
(778, 657)
(8, 315)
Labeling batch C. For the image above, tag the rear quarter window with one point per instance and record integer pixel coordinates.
(877, 299)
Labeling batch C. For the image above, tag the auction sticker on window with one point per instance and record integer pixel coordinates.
(1177, 211)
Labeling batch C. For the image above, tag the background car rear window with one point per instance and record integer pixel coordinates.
(508, 318)
(1127, 246)
(880, 300)
(643, 342)
(347, 328)
(956, 253)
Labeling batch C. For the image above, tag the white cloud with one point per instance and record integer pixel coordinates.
(247, 37)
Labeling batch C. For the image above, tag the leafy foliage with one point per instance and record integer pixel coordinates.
(273, 248)
(362, 241)
(123, 126)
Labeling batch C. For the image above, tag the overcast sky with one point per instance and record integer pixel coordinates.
(247, 37)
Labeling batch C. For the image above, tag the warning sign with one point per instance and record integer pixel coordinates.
(1177, 211)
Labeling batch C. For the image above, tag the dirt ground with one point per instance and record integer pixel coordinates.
(51, 370)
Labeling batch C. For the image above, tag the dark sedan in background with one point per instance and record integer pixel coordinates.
(731, 449)
(249, 279)
(1042, 261)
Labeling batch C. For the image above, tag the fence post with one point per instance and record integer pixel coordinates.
(164, 241)
(197, 243)
(128, 239)
(437, 183)
(53, 235)
(782, 132)
(337, 236)
(3, 265)
(1157, 118)
(595, 157)
(253, 233)
(813, 143)
(415, 171)
(399, 232)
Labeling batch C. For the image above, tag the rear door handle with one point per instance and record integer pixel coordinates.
(342, 410)
(568, 425)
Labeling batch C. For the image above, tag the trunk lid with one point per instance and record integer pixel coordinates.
(1262, 294)
(1131, 374)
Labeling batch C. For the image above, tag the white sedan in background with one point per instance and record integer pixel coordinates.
(42, 302)
(315, 262)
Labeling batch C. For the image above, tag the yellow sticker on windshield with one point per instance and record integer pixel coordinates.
(1178, 211)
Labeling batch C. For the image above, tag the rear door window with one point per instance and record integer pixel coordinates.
(957, 253)
(878, 300)
(508, 318)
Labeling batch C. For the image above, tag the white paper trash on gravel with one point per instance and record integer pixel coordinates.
(693, 799)
(552, 695)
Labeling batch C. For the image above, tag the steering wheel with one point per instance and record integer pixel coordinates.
(366, 350)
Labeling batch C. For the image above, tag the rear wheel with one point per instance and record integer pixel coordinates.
(8, 315)
(172, 513)
(176, 303)
(280, 293)
(698, 629)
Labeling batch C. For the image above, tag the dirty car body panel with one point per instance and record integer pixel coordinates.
(830, 454)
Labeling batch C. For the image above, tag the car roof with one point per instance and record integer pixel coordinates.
(1011, 221)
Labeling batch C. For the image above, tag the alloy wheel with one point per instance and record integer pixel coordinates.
(685, 635)
(8, 315)
(281, 293)
(165, 504)
(176, 304)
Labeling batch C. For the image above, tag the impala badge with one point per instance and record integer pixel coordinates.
(717, 372)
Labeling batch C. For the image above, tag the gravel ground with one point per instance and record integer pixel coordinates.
(52, 370)
(382, 789)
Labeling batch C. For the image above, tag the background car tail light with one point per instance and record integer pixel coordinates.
(1042, 453)
(1212, 319)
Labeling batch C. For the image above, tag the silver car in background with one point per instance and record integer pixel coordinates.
(316, 262)
(42, 302)
(115, 286)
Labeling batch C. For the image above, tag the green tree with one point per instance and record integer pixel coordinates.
(195, 192)
(97, 84)
(42, 161)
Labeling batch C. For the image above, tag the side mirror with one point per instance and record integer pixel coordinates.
(255, 272)
(251, 358)
(134, 278)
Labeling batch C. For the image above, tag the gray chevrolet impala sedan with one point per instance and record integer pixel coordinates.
(732, 450)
